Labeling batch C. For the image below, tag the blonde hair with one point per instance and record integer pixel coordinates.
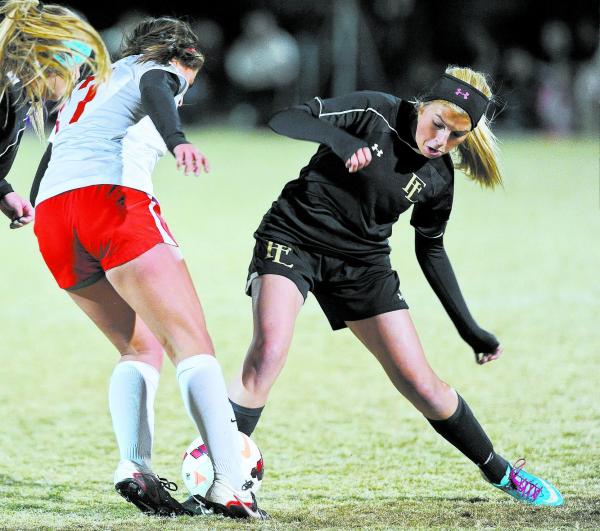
(477, 156)
(34, 46)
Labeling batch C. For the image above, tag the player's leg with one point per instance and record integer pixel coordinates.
(393, 340)
(132, 390)
(276, 302)
(158, 286)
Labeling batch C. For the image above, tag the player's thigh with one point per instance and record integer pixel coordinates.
(276, 303)
(119, 322)
(393, 340)
(159, 288)
(279, 279)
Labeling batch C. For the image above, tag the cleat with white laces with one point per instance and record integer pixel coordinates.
(147, 491)
(528, 488)
(222, 498)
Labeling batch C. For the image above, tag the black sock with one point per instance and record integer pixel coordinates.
(464, 432)
(247, 417)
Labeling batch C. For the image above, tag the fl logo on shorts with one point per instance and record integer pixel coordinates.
(274, 252)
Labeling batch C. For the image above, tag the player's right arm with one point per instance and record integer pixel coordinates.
(158, 88)
(336, 122)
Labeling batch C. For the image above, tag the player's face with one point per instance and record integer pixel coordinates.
(188, 73)
(440, 129)
(56, 85)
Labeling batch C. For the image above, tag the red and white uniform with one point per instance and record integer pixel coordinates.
(103, 136)
(95, 209)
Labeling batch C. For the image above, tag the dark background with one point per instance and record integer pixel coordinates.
(542, 57)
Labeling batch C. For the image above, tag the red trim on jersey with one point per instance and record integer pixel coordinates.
(86, 99)
(84, 232)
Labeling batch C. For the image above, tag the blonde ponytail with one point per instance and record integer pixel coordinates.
(478, 154)
(34, 44)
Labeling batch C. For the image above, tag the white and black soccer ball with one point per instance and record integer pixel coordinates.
(197, 469)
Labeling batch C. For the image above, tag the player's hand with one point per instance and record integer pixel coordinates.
(190, 159)
(18, 210)
(361, 159)
(484, 357)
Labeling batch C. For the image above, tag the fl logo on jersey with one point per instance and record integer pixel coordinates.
(413, 187)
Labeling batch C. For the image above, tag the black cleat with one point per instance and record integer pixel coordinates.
(149, 494)
(196, 506)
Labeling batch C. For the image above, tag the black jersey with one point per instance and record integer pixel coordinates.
(13, 114)
(352, 214)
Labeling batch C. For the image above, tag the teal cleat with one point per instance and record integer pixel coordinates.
(528, 488)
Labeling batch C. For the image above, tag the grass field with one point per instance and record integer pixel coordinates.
(342, 449)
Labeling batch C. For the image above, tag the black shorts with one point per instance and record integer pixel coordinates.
(346, 290)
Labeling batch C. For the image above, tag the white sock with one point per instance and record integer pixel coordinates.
(131, 395)
(205, 398)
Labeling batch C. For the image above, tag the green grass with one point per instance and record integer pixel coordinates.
(342, 449)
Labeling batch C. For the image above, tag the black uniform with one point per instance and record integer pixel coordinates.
(13, 114)
(328, 231)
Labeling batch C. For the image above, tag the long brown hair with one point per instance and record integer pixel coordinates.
(162, 40)
(34, 46)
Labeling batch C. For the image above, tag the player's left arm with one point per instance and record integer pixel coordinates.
(430, 224)
(158, 88)
(438, 271)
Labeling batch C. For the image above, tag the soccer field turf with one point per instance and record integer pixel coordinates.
(342, 449)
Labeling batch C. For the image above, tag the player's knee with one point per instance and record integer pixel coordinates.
(431, 391)
(152, 356)
(183, 343)
(267, 355)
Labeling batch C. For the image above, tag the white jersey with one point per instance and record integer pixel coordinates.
(103, 136)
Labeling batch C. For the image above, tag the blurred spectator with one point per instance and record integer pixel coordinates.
(264, 61)
(205, 101)
(113, 36)
(587, 94)
(519, 88)
(587, 77)
(486, 55)
(555, 100)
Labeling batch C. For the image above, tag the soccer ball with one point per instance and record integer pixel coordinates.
(197, 469)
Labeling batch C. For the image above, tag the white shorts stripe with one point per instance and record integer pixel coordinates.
(165, 235)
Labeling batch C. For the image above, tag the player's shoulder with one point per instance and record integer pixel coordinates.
(140, 67)
(375, 99)
(133, 66)
(360, 100)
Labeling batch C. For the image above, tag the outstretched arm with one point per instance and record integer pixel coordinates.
(299, 123)
(436, 266)
(339, 123)
(157, 88)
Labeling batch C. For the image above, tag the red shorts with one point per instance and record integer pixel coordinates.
(84, 232)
